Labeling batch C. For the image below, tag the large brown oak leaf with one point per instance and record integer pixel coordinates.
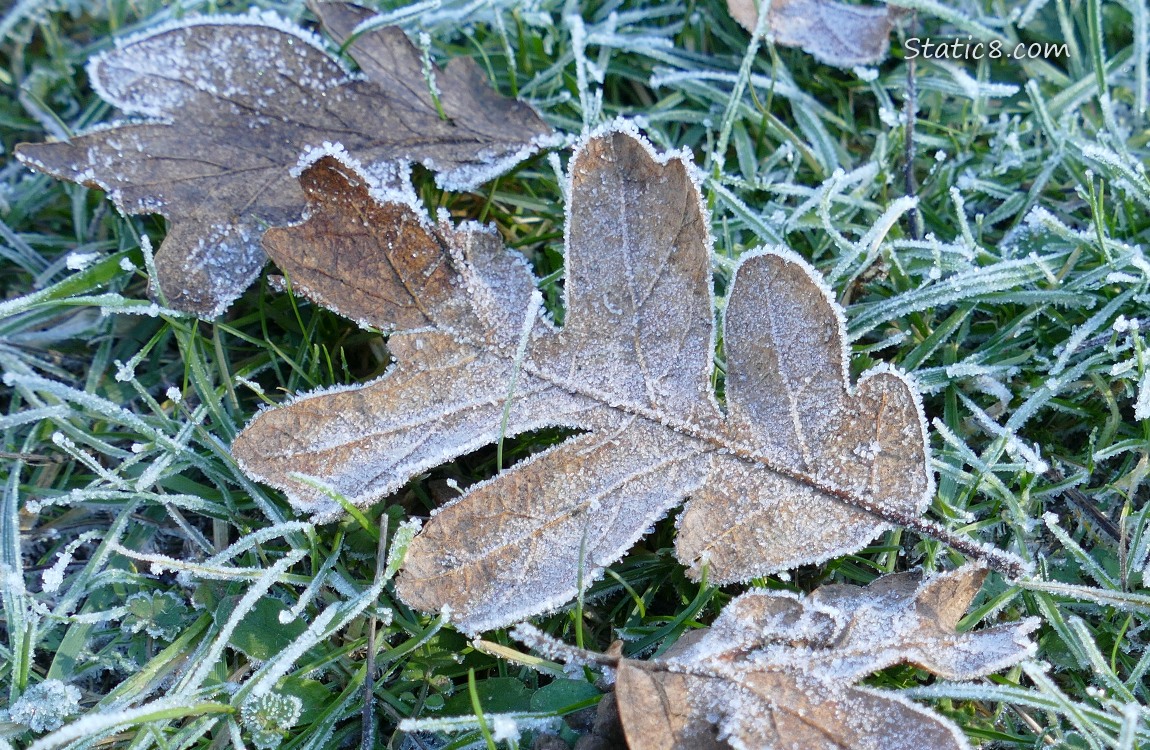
(801, 467)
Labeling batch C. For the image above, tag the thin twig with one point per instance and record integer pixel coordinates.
(1088, 507)
(1031, 723)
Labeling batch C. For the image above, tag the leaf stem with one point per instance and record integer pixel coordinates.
(1008, 564)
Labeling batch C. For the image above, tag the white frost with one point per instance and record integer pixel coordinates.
(78, 261)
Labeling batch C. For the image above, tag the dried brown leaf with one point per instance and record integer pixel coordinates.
(833, 32)
(231, 102)
(800, 469)
(779, 671)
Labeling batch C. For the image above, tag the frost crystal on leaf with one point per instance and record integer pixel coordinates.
(232, 101)
(159, 614)
(778, 670)
(504, 729)
(269, 717)
(46, 705)
(801, 468)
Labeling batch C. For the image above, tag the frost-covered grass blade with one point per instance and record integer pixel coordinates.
(1020, 311)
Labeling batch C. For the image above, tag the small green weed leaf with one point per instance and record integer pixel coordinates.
(159, 614)
(269, 718)
(561, 694)
(45, 705)
(496, 695)
(314, 697)
(260, 634)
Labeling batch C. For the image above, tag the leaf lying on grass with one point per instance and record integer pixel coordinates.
(777, 670)
(834, 33)
(232, 101)
(800, 469)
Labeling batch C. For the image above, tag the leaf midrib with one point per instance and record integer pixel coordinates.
(719, 441)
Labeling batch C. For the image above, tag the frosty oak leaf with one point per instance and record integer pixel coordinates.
(834, 33)
(777, 670)
(230, 102)
(801, 468)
